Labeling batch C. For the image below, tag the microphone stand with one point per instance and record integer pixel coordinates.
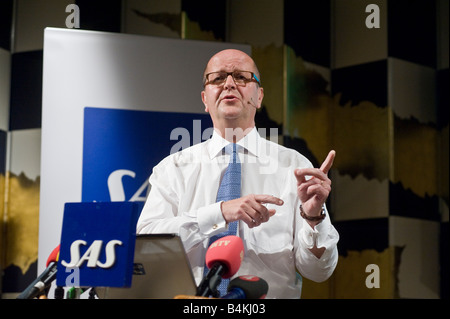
(209, 283)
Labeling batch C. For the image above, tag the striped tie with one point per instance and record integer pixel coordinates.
(230, 188)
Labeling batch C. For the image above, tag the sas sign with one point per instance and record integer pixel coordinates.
(98, 241)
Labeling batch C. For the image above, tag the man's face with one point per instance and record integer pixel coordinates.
(231, 104)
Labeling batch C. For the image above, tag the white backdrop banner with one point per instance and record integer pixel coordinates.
(114, 105)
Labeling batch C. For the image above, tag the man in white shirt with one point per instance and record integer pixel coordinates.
(283, 220)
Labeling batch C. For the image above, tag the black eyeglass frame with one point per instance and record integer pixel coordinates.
(254, 78)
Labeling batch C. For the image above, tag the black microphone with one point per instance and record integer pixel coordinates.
(44, 280)
(252, 103)
(247, 287)
(223, 258)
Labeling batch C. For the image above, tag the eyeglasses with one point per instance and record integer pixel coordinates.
(241, 78)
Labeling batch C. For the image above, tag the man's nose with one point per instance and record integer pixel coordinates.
(229, 83)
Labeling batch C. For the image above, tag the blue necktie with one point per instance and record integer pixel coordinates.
(230, 188)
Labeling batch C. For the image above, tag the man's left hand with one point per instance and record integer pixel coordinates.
(314, 191)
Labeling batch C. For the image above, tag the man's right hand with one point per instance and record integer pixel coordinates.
(250, 209)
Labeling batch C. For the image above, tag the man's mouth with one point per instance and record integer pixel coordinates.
(229, 98)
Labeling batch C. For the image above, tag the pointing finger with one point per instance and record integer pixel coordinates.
(268, 199)
(326, 165)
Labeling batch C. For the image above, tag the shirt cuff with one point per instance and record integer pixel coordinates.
(210, 219)
(317, 236)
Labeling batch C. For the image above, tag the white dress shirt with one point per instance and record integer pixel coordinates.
(182, 200)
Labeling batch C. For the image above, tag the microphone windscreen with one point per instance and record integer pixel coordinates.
(253, 286)
(54, 256)
(228, 251)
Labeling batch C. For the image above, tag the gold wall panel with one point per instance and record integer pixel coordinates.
(416, 156)
(350, 275)
(443, 166)
(317, 290)
(22, 225)
(361, 139)
(2, 224)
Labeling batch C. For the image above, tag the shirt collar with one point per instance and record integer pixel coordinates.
(249, 142)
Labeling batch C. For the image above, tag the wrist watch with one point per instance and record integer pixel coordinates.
(312, 218)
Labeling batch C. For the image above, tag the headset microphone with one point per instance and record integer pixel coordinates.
(252, 103)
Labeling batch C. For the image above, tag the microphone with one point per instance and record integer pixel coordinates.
(247, 287)
(53, 257)
(45, 279)
(252, 103)
(223, 258)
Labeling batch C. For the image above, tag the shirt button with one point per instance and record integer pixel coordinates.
(215, 226)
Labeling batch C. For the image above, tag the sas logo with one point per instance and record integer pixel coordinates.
(92, 254)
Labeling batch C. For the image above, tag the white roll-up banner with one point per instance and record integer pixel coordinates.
(113, 106)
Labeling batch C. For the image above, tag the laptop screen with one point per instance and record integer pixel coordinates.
(161, 270)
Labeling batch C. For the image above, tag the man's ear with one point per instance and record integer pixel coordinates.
(204, 101)
(260, 97)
